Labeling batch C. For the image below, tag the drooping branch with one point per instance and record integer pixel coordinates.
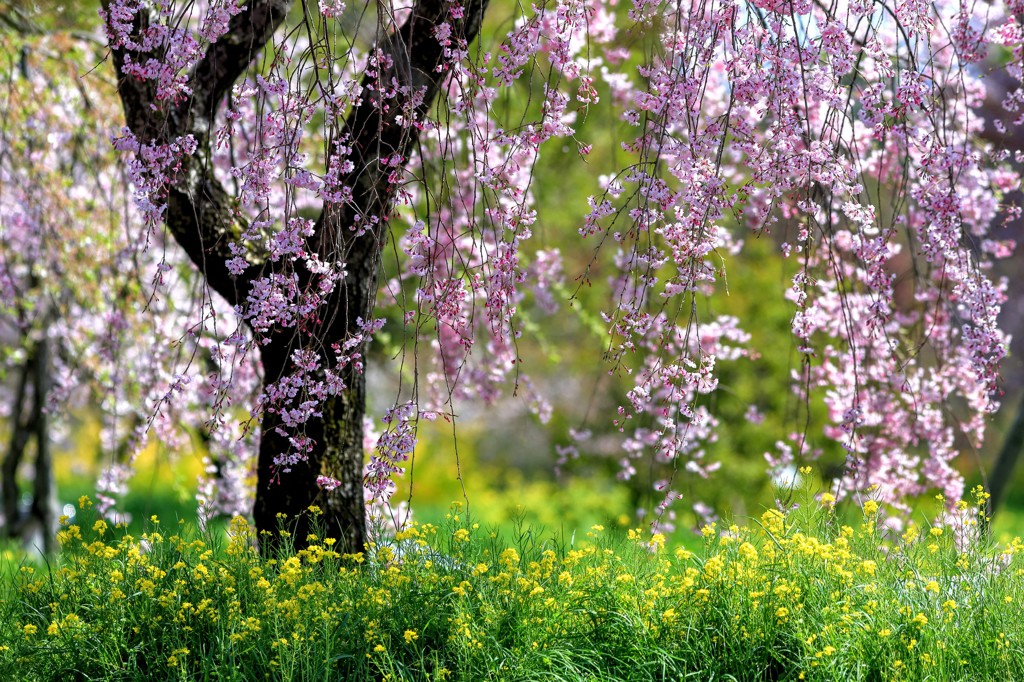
(199, 210)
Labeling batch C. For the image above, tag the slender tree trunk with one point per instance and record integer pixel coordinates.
(44, 499)
(30, 423)
(21, 431)
(1006, 462)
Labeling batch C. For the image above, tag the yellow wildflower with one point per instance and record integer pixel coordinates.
(509, 557)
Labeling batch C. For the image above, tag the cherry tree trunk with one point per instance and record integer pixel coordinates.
(283, 498)
(202, 217)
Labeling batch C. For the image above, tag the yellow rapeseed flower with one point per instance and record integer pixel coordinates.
(173, 660)
(773, 521)
(407, 533)
(714, 565)
(410, 636)
(68, 534)
(509, 558)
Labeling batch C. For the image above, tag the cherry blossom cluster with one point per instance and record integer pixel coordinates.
(851, 134)
(801, 154)
(168, 47)
(299, 396)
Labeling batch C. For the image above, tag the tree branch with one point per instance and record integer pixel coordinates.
(227, 59)
(200, 212)
(382, 129)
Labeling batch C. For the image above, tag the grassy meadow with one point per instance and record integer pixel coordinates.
(817, 593)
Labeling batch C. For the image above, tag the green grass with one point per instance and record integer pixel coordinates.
(795, 596)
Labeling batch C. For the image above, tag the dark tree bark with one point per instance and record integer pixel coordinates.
(200, 217)
(29, 423)
(16, 451)
(44, 489)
